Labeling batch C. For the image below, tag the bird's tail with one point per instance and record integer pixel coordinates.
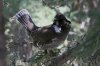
(25, 19)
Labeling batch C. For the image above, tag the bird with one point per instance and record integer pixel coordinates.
(45, 37)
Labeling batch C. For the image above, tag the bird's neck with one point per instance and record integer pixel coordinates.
(60, 24)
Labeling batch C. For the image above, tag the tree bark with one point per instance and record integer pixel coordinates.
(2, 37)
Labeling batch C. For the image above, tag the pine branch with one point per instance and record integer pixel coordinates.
(60, 60)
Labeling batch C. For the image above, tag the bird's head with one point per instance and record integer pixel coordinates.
(61, 19)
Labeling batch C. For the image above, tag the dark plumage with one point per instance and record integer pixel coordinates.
(46, 37)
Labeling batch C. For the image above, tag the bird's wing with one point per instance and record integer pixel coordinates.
(25, 19)
(55, 42)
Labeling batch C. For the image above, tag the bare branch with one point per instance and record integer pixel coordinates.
(60, 60)
(64, 57)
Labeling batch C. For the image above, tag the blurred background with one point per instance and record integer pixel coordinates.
(84, 16)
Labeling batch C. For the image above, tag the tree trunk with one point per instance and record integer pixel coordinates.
(2, 37)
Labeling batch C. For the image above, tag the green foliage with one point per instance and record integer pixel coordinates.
(77, 11)
(11, 7)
